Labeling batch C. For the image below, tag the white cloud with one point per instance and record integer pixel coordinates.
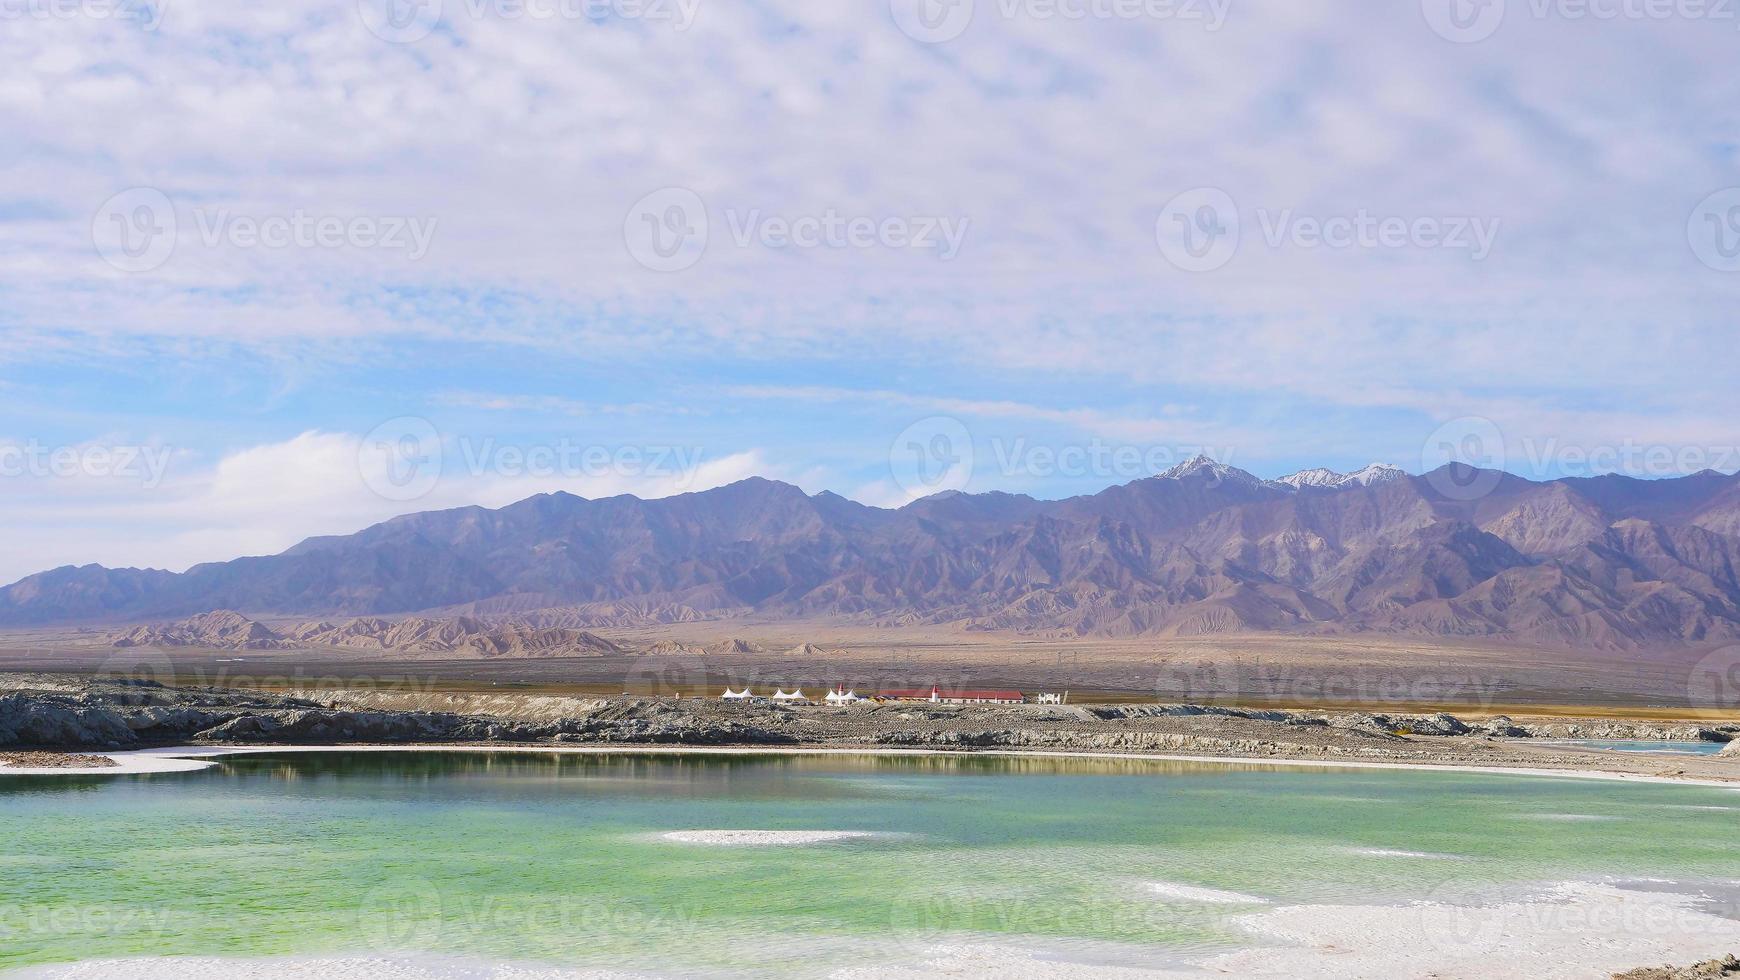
(262, 499)
(1060, 140)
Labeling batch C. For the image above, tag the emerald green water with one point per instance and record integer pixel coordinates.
(558, 858)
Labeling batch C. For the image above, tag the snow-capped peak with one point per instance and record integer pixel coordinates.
(1375, 474)
(1205, 466)
(1368, 476)
(1316, 477)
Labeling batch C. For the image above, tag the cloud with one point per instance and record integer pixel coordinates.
(523, 147)
(1045, 133)
(262, 499)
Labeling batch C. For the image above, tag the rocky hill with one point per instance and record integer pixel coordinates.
(1608, 562)
(226, 630)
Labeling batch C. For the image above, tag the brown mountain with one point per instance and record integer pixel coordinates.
(1205, 548)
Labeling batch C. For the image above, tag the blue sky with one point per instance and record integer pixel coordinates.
(673, 246)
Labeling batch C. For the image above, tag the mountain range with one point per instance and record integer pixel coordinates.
(1610, 562)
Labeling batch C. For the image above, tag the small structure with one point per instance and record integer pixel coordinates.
(937, 695)
(731, 695)
(795, 697)
(1052, 698)
(838, 696)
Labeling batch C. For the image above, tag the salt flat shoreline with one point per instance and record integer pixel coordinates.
(152, 725)
(190, 758)
(1560, 934)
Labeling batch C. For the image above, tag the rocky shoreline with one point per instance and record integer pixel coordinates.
(51, 713)
(1727, 966)
(55, 760)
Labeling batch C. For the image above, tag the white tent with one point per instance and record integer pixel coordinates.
(797, 695)
(731, 695)
(843, 697)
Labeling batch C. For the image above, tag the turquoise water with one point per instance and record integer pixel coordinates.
(1641, 745)
(559, 858)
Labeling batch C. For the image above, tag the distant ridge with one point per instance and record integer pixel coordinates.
(1607, 562)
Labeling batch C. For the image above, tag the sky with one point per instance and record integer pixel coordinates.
(268, 271)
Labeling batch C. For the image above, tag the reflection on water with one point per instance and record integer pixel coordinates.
(559, 857)
(1640, 745)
